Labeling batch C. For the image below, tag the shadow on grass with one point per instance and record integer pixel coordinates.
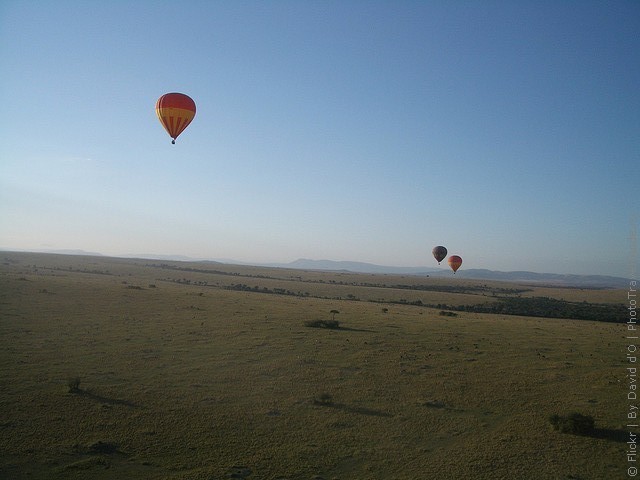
(349, 329)
(349, 409)
(333, 325)
(439, 405)
(104, 400)
(613, 435)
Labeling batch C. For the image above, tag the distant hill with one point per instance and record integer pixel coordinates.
(169, 258)
(554, 279)
(68, 251)
(358, 267)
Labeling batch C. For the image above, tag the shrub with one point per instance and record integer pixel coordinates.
(103, 447)
(333, 324)
(324, 399)
(445, 313)
(574, 423)
(74, 384)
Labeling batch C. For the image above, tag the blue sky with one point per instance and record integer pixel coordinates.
(350, 130)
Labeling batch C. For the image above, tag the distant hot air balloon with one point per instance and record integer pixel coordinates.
(439, 253)
(454, 262)
(175, 111)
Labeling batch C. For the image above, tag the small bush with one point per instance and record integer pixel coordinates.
(333, 324)
(103, 447)
(323, 399)
(445, 313)
(74, 384)
(574, 423)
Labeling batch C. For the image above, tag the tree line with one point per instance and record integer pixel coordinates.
(548, 308)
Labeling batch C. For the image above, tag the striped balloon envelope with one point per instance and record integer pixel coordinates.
(454, 262)
(175, 111)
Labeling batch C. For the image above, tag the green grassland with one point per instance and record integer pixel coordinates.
(207, 371)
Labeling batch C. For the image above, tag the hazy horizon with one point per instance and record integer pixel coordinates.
(323, 263)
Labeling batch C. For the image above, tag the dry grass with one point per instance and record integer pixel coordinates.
(198, 382)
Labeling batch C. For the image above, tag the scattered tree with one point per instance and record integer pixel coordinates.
(575, 423)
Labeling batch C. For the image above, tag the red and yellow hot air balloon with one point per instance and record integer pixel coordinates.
(454, 262)
(175, 111)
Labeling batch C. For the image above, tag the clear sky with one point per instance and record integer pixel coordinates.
(508, 131)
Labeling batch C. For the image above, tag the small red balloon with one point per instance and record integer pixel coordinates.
(454, 262)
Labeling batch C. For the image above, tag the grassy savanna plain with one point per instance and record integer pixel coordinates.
(208, 371)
